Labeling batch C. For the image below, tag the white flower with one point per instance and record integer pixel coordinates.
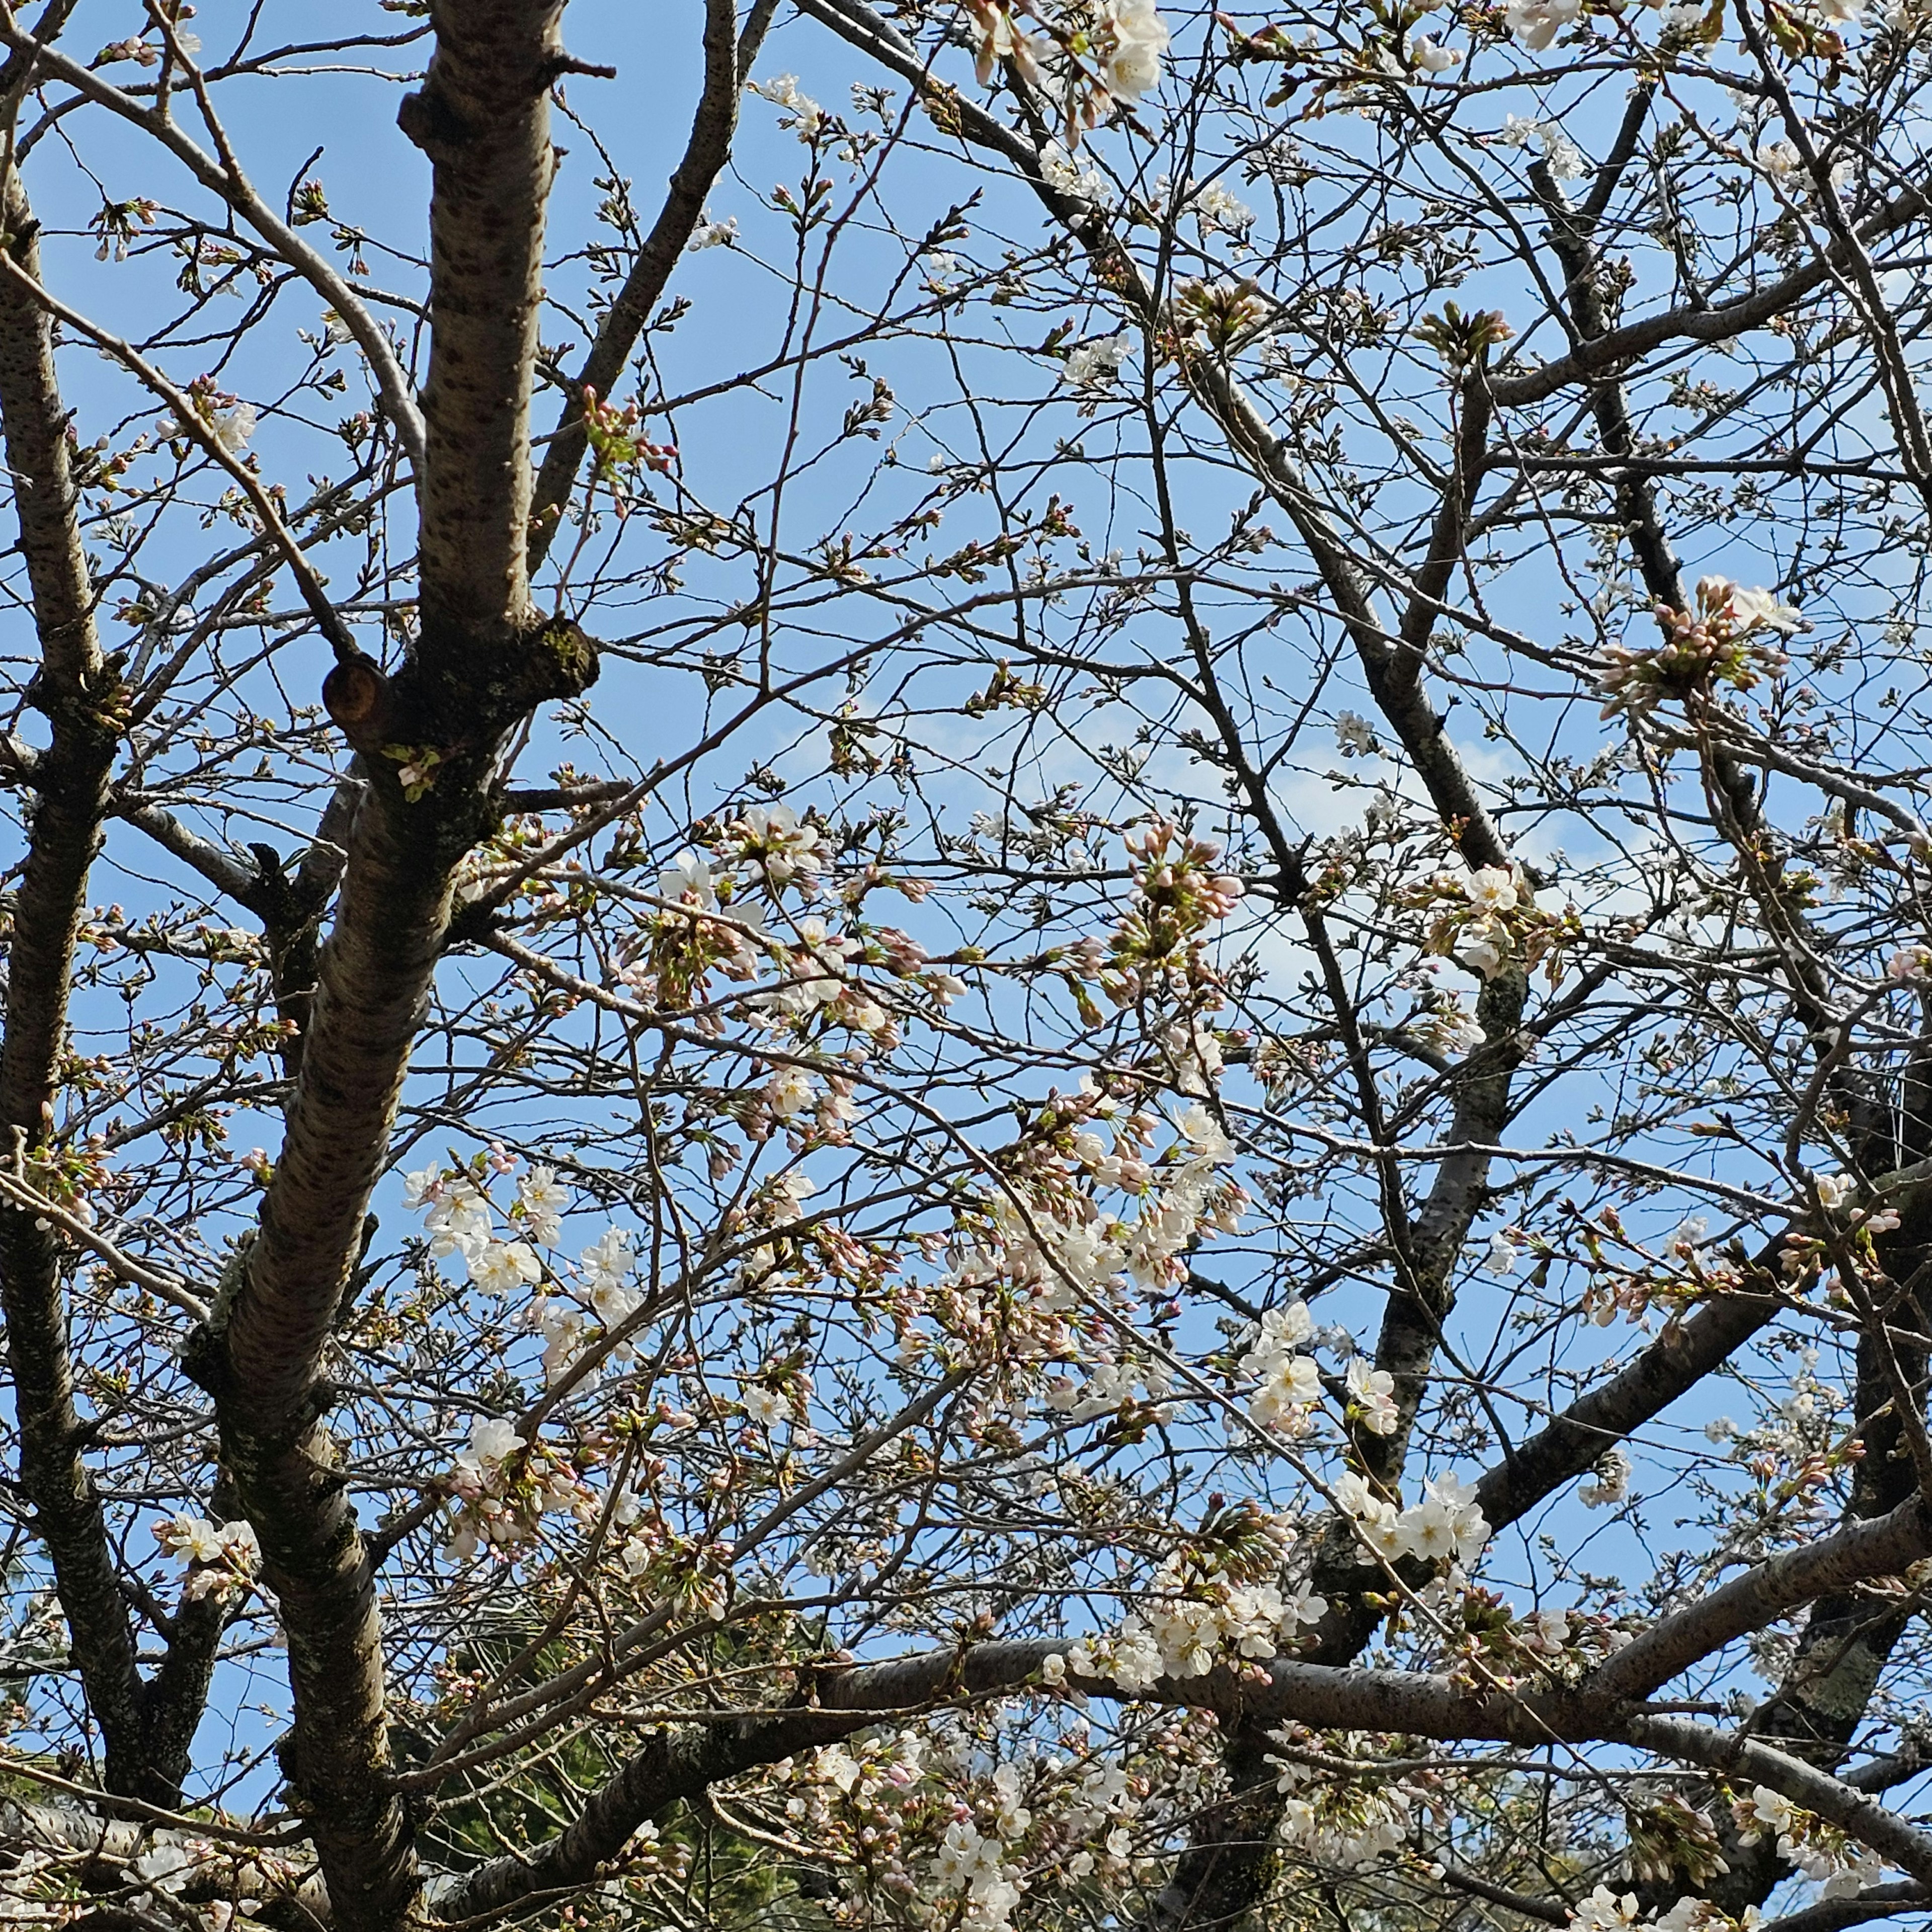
(1215, 208)
(808, 117)
(1292, 1386)
(687, 878)
(1205, 1135)
(1491, 889)
(544, 1202)
(241, 1546)
(1136, 36)
(609, 1257)
(1428, 1529)
(421, 1187)
(789, 1091)
(1482, 948)
(765, 1405)
(1355, 735)
(1548, 1631)
(1561, 155)
(1772, 1811)
(1779, 159)
(1456, 1029)
(1059, 169)
(1565, 160)
(1604, 1911)
(1834, 1189)
(714, 234)
(492, 1440)
(1753, 610)
(1372, 1390)
(1856, 1867)
(1279, 1330)
(1096, 365)
(1537, 22)
(1613, 1484)
(167, 1867)
(1424, 53)
(233, 428)
(1503, 1256)
(1445, 1525)
(1303, 1608)
(191, 1539)
(459, 1220)
(501, 1267)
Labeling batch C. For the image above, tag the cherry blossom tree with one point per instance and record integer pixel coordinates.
(1036, 1036)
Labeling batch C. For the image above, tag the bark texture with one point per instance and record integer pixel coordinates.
(76, 690)
(146, 1727)
(481, 661)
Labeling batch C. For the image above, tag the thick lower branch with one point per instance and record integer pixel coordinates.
(681, 1765)
(77, 691)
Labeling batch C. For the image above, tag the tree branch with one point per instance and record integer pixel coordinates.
(78, 691)
(680, 1765)
(224, 178)
(1887, 1547)
(728, 59)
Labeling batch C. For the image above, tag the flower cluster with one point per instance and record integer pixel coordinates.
(1487, 1643)
(930, 1826)
(1216, 210)
(1608, 1911)
(1348, 1824)
(1290, 1390)
(600, 1293)
(1841, 1866)
(217, 1559)
(1537, 22)
(460, 1219)
(1098, 53)
(1612, 1473)
(1486, 918)
(974, 1866)
(1094, 367)
(1428, 55)
(1446, 1526)
(1838, 1192)
(806, 117)
(228, 420)
(503, 1486)
(1221, 1601)
(1451, 1028)
(1060, 170)
(1156, 946)
(784, 848)
(1035, 1270)
(1562, 156)
(1355, 736)
(1720, 641)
